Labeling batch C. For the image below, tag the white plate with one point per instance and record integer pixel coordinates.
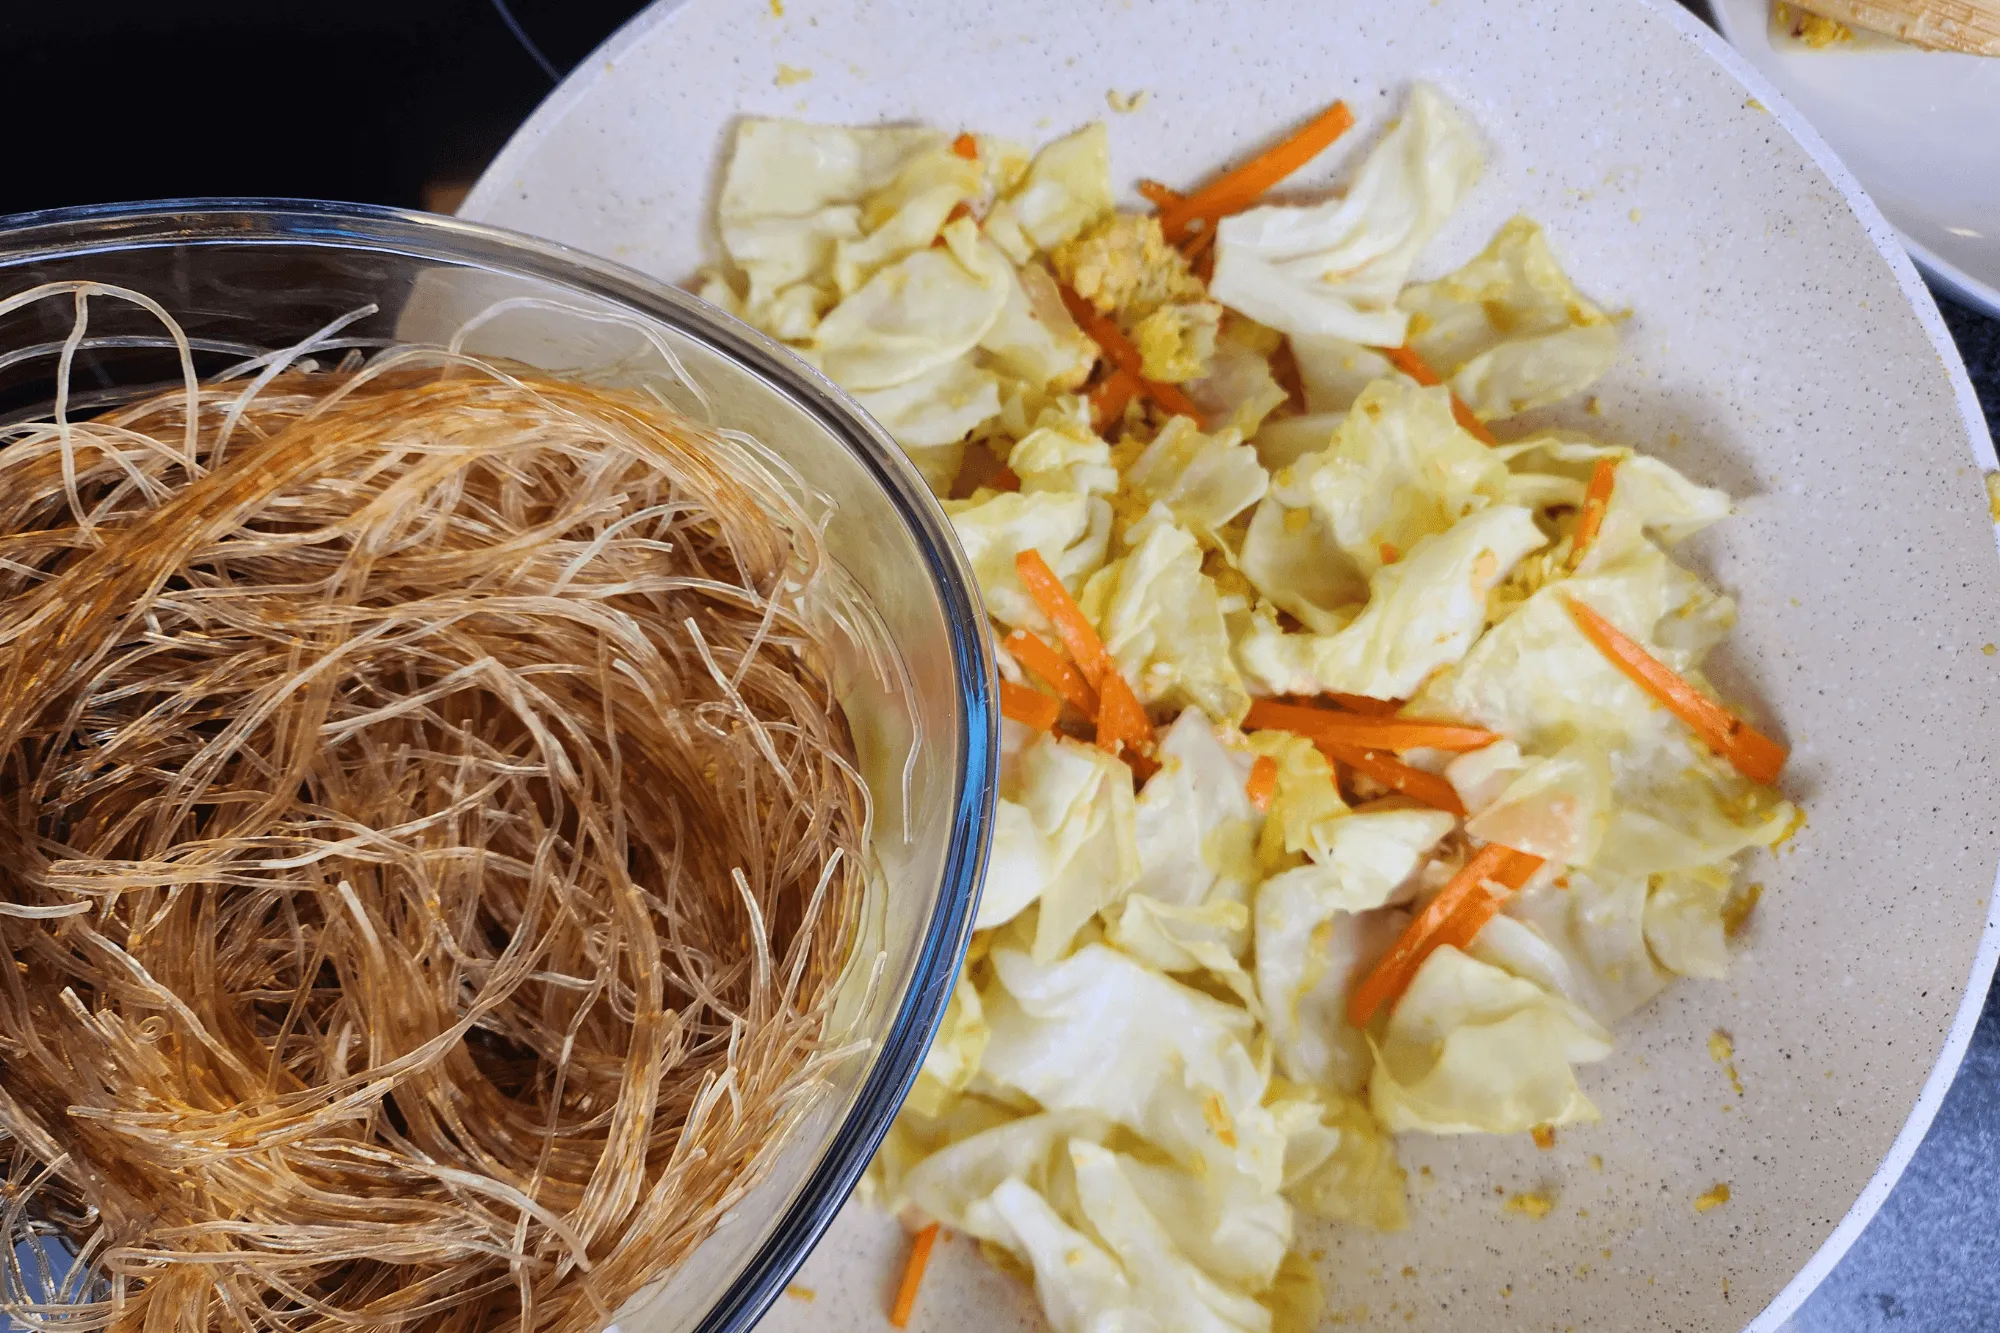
(1781, 345)
(1919, 129)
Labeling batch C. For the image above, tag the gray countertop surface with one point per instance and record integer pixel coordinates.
(1930, 1261)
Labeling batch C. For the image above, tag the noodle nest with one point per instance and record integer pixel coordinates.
(431, 846)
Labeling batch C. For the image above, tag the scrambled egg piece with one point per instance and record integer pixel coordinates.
(1814, 30)
(1537, 1205)
(1124, 266)
(1177, 342)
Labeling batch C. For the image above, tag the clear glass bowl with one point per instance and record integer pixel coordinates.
(246, 276)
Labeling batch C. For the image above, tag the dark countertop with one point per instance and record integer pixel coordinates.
(1930, 1261)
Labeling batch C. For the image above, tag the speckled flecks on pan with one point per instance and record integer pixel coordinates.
(1773, 350)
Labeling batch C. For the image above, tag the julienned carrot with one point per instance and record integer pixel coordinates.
(1031, 708)
(1263, 782)
(1236, 190)
(1471, 424)
(1107, 400)
(1437, 924)
(1072, 626)
(1033, 652)
(1755, 755)
(1424, 788)
(966, 147)
(1122, 725)
(1596, 499)
(1158, 195)
(1407, 360)
(913, 1276)
(1120, 352)
(1464, 925)
(1380, 733)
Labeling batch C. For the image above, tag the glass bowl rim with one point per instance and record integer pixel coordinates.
(68, 233)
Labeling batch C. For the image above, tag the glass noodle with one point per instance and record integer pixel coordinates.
(432, 841)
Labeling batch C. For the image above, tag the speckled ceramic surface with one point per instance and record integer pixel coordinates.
(1780, 346)
(1920, 129)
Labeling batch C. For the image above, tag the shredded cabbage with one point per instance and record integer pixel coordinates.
(1146, 1068)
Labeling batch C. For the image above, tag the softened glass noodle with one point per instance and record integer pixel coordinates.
(432, 842)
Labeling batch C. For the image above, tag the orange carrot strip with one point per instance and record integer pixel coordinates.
(1596, 498)
(1202, 259)
(1031, 708)
(1755, 755)
(1120, 352)
(1033, 652)
(966, 147)
(913, 1276)
(1380, 733)
(1072, 626)
(1236, 190)
(1440, 923)
(1465, 924)
(1424, 788)
(1107, 401)
(1122, 725)
(1471, 424)
(1158, 195)
(1407, 360)
(961, 209)
(1410, 363)
(1263, 782)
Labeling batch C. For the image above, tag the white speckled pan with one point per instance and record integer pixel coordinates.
(1780, 346)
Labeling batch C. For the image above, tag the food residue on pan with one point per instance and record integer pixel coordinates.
(1803, 25)
(1535, 1204)
(1713, 1198)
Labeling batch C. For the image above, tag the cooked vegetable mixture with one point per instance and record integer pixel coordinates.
(1359, 771)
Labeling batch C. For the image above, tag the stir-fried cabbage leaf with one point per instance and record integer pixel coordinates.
(1206, 480)
(1161, 618)
(1066, 189)
(1397, 469)
(1196, 833)
(1319, 925)
(1080, 802)
(1068, 528)
(1510, 331)
(1472, 1049)
(1336, 268)
(1339, 1162)
(1167, 1285)
(1099, 1031)
(955, 1052)
(1423, 613)
(916, 315)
